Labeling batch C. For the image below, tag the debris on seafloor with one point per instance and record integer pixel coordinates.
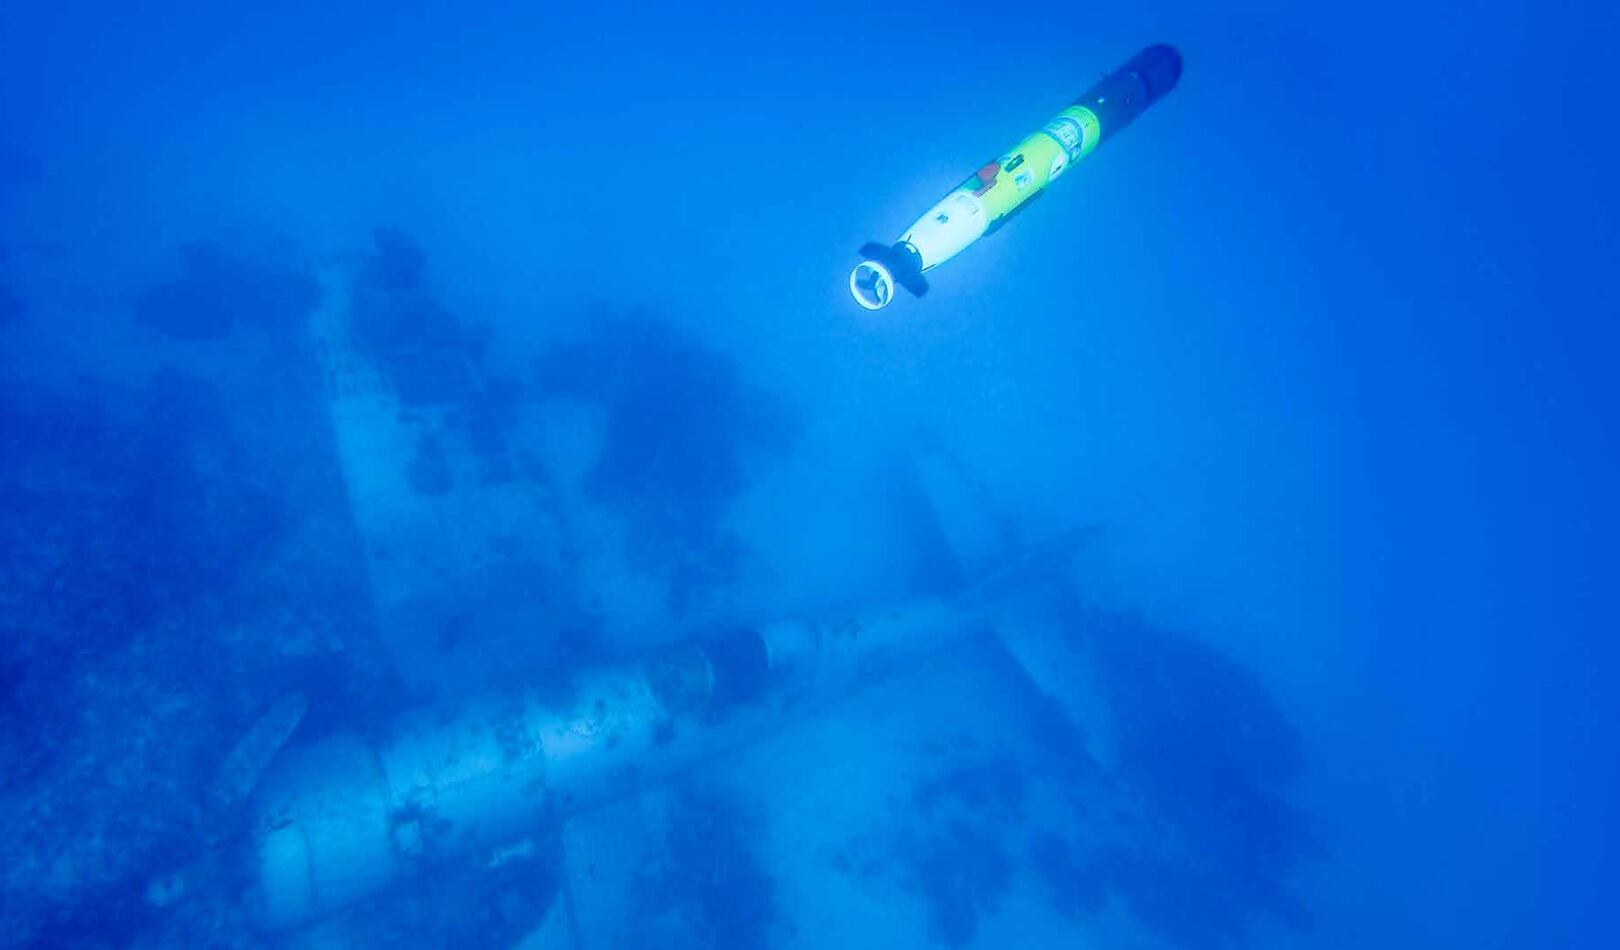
(458, 838)
(224, 801)
(247, 762)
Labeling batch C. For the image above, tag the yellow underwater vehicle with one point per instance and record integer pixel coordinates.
(1006, 186)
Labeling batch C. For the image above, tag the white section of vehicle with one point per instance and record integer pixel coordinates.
(948, 227)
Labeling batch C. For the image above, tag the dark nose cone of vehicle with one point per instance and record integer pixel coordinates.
(1158, 67)
(1119, 97)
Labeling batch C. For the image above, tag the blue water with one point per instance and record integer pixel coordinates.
(1316, 355)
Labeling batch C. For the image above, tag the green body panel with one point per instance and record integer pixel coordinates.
(981, 204)
(1033, 163)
